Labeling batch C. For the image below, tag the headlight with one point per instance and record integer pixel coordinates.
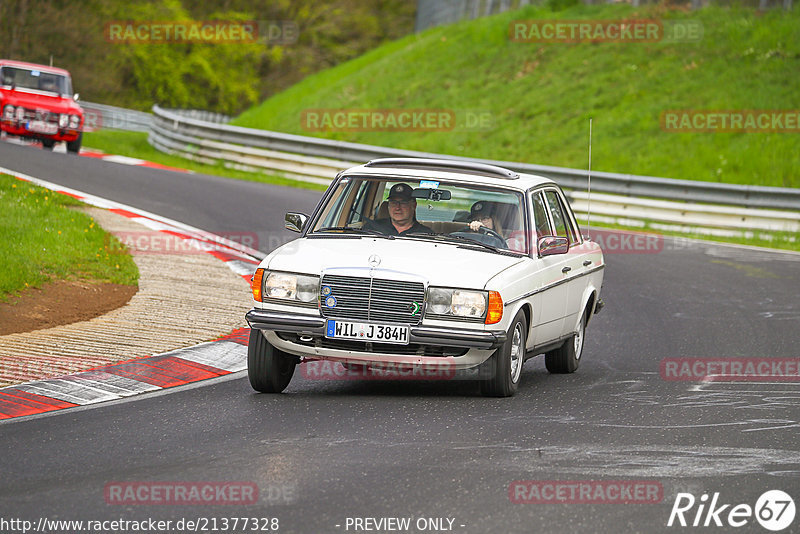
(8, 112)
(63, 120)
(457, 303)
(439, 301)
(468, 303)
(74, 121)
(287, 286)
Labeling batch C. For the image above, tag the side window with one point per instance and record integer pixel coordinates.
(540, 220)
(359, 204)
(563, 226)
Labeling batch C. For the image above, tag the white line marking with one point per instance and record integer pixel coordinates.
(125, 160)
(225, 355)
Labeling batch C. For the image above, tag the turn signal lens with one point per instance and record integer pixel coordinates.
(495, 313)
(258, 276)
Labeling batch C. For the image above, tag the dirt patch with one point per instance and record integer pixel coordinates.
(61, 302)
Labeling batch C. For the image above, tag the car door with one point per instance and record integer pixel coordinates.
(550, 301)
(572, 265)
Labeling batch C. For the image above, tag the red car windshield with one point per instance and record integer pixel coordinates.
(20, 78)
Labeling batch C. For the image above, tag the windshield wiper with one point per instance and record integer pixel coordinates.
(465, 240)
(352, 230)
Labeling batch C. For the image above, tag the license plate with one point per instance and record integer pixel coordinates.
(381, 333)
(41, 127)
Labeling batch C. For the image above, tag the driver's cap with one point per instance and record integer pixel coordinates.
(400, 192)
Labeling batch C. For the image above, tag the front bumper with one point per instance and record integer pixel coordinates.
(422, 335)
(18, 129)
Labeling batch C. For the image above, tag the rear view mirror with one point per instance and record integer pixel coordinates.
(551, 245)
(431, 194)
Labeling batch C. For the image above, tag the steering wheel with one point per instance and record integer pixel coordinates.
(492, 237)
(488, 231)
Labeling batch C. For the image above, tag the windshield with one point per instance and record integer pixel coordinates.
(35, 79)
(424, 208)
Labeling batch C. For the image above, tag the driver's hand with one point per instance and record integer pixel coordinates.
(475, 225)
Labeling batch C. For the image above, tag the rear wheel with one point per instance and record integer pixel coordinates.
(567, 358)
(75, 146)
(48, 144)
(505, 365)
(270, 370)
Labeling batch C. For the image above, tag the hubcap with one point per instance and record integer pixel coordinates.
(516, 352)
(579, 341)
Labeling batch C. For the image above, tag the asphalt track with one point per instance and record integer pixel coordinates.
(326, 451)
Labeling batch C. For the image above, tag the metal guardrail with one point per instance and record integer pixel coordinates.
(100, 116)
(322, 158)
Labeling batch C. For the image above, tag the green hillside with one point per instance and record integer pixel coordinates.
(539, 97)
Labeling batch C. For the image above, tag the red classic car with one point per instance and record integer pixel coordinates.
(37, 103)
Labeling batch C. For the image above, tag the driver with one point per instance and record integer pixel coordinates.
(482, 214)
(402, 214)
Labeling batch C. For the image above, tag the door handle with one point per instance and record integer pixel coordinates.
(587, 263)
(565, 270)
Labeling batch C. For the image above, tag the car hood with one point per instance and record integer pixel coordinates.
(438, 263)
(50, 102)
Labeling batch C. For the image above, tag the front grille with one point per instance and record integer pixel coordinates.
(371, 299)
(412, 349)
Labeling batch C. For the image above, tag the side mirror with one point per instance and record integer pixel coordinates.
(76, 96)
(550, 246)
(295, 221)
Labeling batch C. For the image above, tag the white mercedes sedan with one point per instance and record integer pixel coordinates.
(432, 268)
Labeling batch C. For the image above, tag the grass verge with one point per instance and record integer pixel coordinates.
(135, 145)
(44, 237)
(538, 97)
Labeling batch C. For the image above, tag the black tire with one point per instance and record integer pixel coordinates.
(505, 365)
(567, 357)
(270, 370)
(48, 144)
(75, 146)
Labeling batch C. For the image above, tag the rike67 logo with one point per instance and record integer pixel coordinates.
(774, 510)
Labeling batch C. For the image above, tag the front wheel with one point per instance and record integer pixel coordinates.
(505, 365)
(48, 144)
(75, 146)
(270, 370)
(566, 358)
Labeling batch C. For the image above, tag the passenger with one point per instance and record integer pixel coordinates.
(402, 218)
